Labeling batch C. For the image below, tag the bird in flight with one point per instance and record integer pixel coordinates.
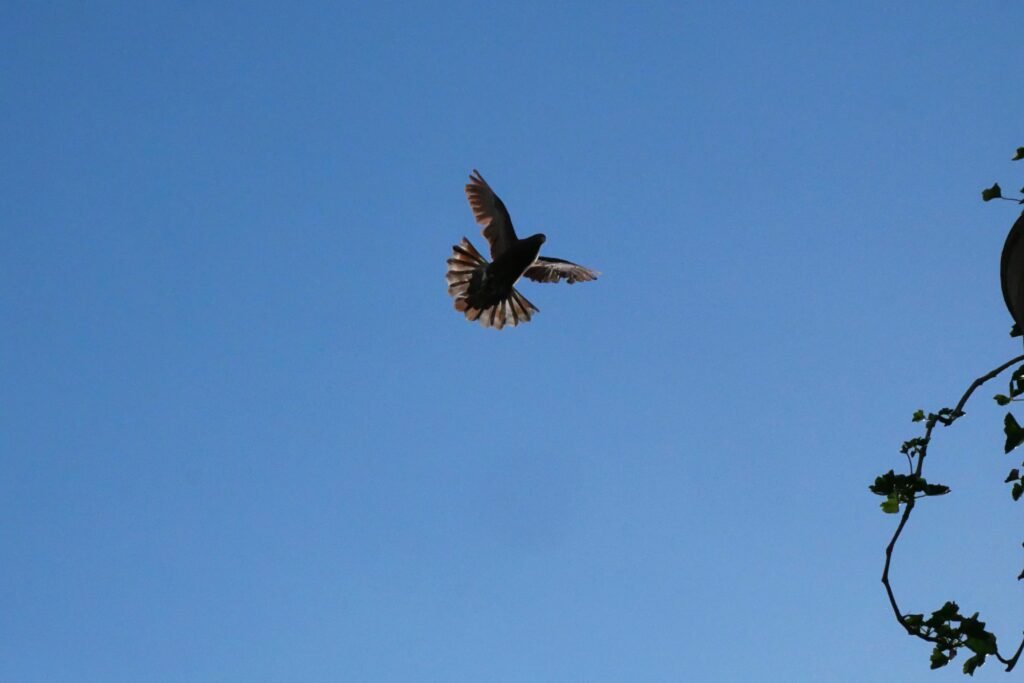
(486, 291)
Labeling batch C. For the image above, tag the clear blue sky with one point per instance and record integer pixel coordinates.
(245, 437)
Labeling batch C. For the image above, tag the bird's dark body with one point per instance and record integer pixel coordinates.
(501, 275)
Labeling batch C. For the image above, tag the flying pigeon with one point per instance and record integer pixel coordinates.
(485, 291)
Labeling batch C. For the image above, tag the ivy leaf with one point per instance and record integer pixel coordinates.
(884, 484)
(1002, 399)
(1014, 474)
(935, 489)
(1018, 489)
(939, 658)
(918, 416)
(994, 192)
(913, 446)
(973, 663)
(1017, 382)
(1019, 155)
(1014, 434)
(982, 646)
(913, 620)
(948, 611)
(891, 505)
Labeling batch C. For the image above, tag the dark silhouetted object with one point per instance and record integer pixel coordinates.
(486, 291)
(1011, 275)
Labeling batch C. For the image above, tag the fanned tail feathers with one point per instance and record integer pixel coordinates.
(465, 269)
(510, 311)
(465, 274)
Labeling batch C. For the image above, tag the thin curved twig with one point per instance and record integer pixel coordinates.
(1012, 661)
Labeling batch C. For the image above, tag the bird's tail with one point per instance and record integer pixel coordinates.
(465, 276)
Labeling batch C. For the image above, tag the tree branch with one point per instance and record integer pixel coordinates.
(932, 420)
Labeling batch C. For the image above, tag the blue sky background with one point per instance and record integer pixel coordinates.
(244, 436)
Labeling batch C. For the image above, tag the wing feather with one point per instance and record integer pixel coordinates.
(546, 269)
(490, 212)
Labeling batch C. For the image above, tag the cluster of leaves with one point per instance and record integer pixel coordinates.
(902, 488)
(905, 488)
(1014, 437)
(996, 192)
(1014, 432)
(950, 631)
(1018, 483)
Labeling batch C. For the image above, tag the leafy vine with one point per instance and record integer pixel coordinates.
(947, 628)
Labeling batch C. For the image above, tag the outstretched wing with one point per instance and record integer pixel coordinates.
(490, 212)
(555, 269)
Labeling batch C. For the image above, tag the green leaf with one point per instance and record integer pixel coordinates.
(884, 484)
(982, 646)
(1014, 474)
(918, 416)
(1014, 434)
(948, 611)
(939, 658)
(891, 505)
(913, 446)
(1002, 399)
(934, 489)
(994, 192)
(1017, 382)
(1018, 490)
(1019, 155)
(973, 663)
